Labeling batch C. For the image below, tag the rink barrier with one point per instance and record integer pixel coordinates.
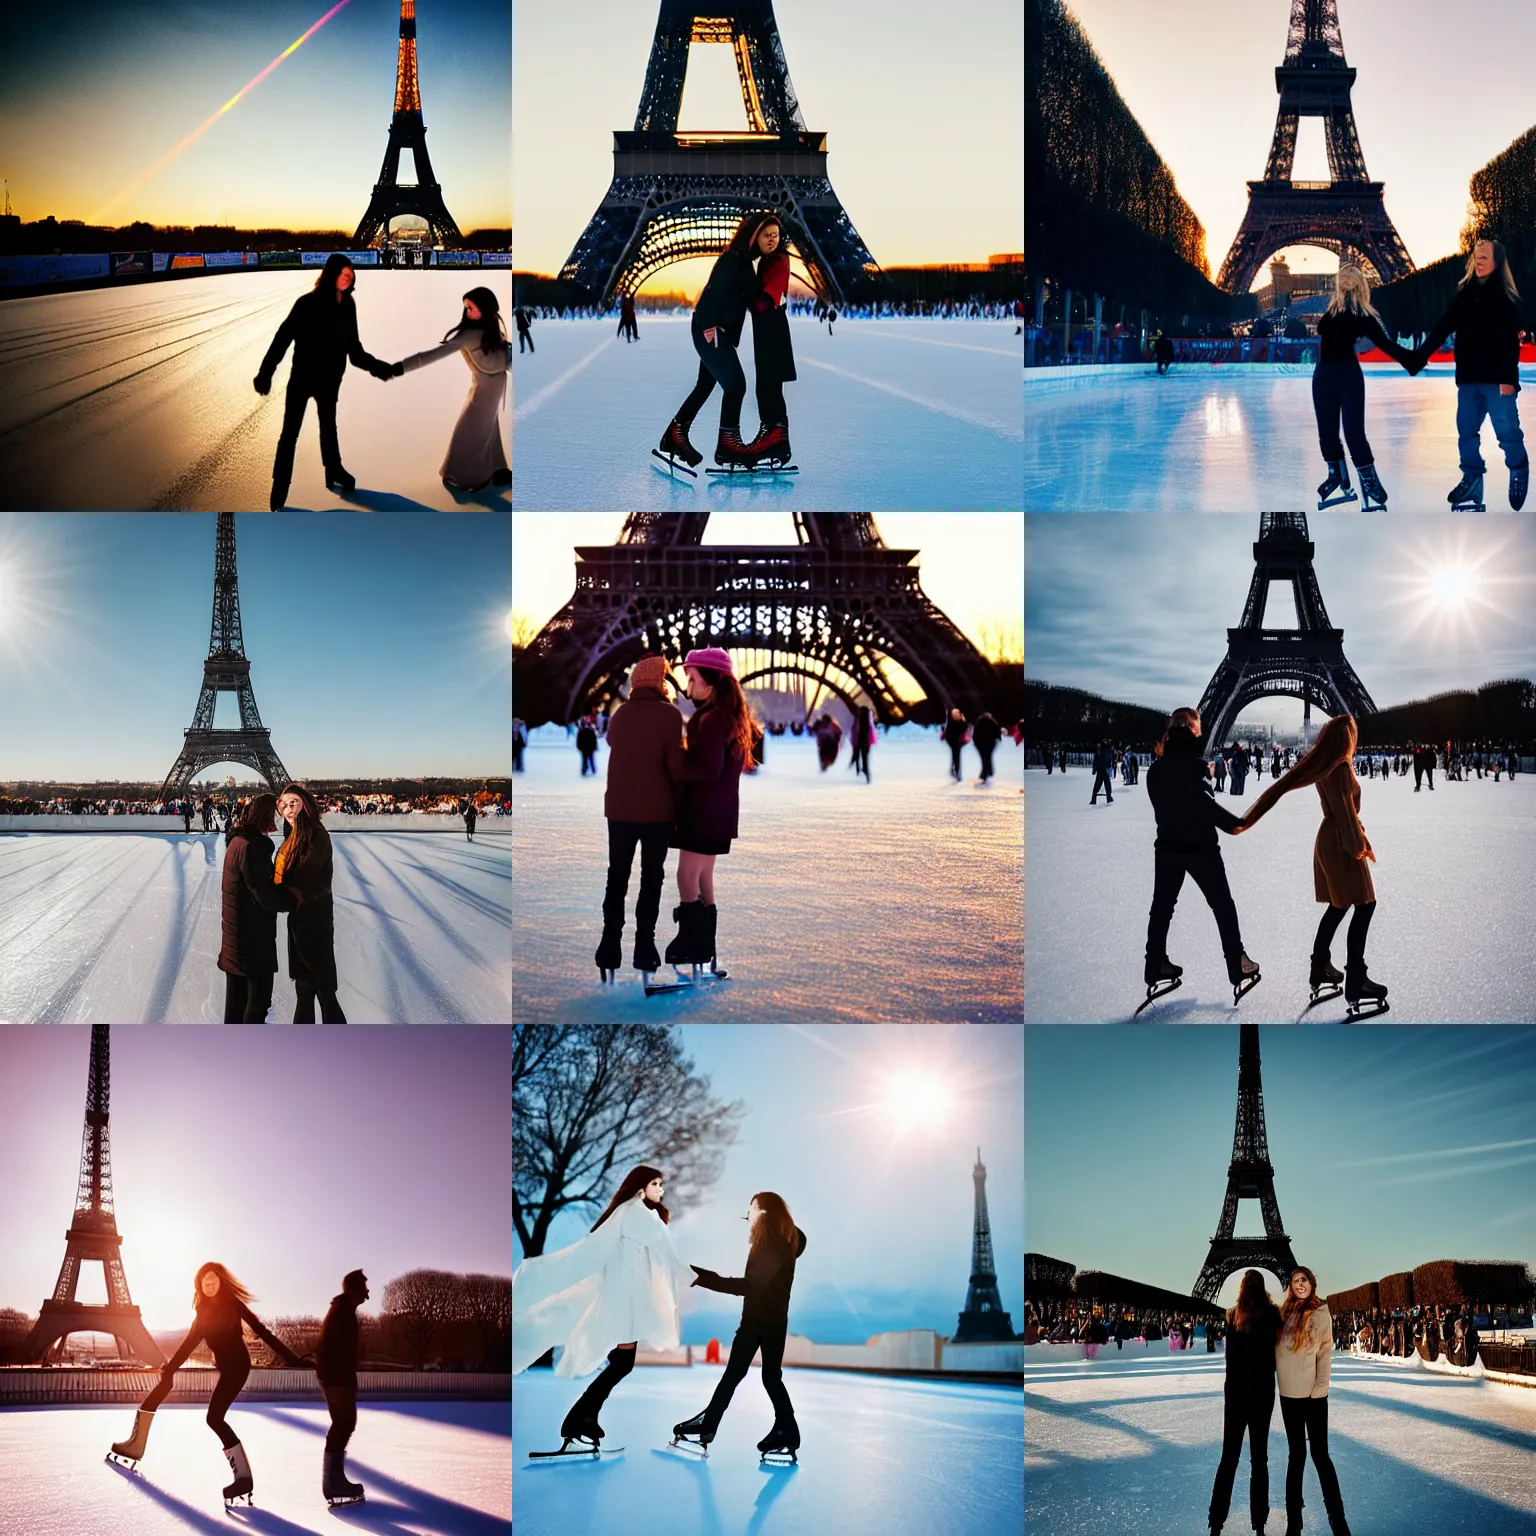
(334, 822)
(32, 1386)
(908, 1352)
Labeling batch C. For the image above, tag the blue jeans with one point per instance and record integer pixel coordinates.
(1473, 403)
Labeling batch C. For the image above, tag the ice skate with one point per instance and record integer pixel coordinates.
(1366, 998)
(340, 481)
(1244, 977)
(1162, 977)
(676, 451)
(685, 950)
(131, 1451)
(1326, 981)
(692, 1434)
(781, 1442)
(646, 960)
(1519, 484)
(244, 1485)
(585, 1446)
(610, 954)
(334, 1486)
(733, 457)
(1335, 490)
(1371, 488)
(771, 444)
(1468, 495)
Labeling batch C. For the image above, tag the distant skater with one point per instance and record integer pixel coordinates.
(303, 866)
(628, 328)
(1248, 1400)
(986, 734)
(186, 815)
(586, 744)
(1162, 350)
(524, 318)
(251, 901)
(336, 1355)
(471, 815)
(519, 744)
(956, 733)
(863, 740)
(1103, 773)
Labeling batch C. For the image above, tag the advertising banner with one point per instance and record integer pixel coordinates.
(187, 259)
(495, 258)
(231, 259)
(455, 258)
(25, 271)
(162, 261)
(282, 258)
(357, 258)
(131, 263)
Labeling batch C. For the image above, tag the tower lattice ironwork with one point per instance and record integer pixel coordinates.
(984, 1319)
(1307, 662)
(93, 1238)
(676, 195)
(838, 608)
(391, 198)
(1345, 214)
(226, 670)
(1250, 1176)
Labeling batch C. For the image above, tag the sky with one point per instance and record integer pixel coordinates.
(377, 641)
(837, 1124)
(1199, 77)
(291, 1156)
(971, 563)
(91, 102)
(923, 112)
(1391, 1147)
(1136, 609)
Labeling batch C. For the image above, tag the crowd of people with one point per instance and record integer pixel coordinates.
(899, 309)
(1111, 1323)
(218, 812)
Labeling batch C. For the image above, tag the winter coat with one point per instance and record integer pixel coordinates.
(987, 734)
(251, 905)
(336, 1352)
(766, 1284)
(1187, 810)
(218, 1323)
(773, 354)
(475, 451)
(323, 333)
(710, 775)
(956, 733)
(1338, 333)
(1251, 1356)
(586, 739)
(641, 736)
(1339, 876)
(1304, 1372)
(311, 925)
(1487, 326)
(728, 295)
(471, 815)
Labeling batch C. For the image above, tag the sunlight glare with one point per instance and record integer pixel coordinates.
(914, 1100)
(1452, 586)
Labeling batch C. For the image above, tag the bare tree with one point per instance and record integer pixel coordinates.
(488, 1302)
(590, 1101)
(420, 1304)
(1002, 640)
(524, 630)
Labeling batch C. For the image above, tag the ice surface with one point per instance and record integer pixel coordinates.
(1230, 439)
(140, 398)
(430, 1469)
(1120, 1446)
(125, 928)
(886, 416)
(892, 902)
(1445, 940)
(878, 1455)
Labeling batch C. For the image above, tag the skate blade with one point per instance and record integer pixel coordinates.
(778, 1459)
(351, 1498)
(732, 472)
(1355, 1012)
(689, 1448)
(672, 463)
(128, 1464)
(609, 975)
(1245, 986)
(1160, 989)
(1337, 501)
(1324, 995)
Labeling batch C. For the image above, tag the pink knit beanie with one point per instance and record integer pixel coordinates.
(712, 657)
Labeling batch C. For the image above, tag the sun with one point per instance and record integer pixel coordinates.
(916, 1101)
(1452, 585)
(1453, 588)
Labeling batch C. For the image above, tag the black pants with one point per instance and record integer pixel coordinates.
(621, 1361)
(986, 760)
(861, 759)
(746, 1344)
(226, 1389)
(770, 402)
(342, 1401)
(1101, 781)
(517, 757)
(1338, 389)
(293, 419)
(954, 759)
(247, 999)
(524, 340)
(1306, 1418)
(653, 837)
(1210, 874)
(304, 1008)
(718, 364)
(1244, 1416)
(588, 762)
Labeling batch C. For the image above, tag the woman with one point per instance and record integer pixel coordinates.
(619, 1283)
(720, 741)
(774, 1244)
(718, 320)
(476, 457)
(1338, 388)
(864, 739)
(1303, 1359)
(252, 900)
(773, 354)
(1340, 856)
(1253, 1327)
(221, 1304)
(303, 868)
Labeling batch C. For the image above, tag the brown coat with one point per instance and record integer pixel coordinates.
(641, 734)
(1340, 876)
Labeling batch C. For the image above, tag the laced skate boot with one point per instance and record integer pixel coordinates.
(334, 1486)
(697, 1431)
(337, 479)
(1336, 488)
(244, 1485)
(706, 953)
(1365, 997)
(1162, 976)
(675, 445)
(683, 950)
(646, 957)
(1244, 975)
(610, 952)
(771, 443)
(1325, 974)
(731, 452)
(1371, 488)
(1519, 484)
(1468, 495)
(132, 1449)
(783, 1438)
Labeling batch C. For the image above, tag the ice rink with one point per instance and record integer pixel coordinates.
(895, 901)
(125, 928)
(878, 1455)
(140, 398)
(886, 416)
(430, 1469)
(1237, 438)
(1126, 1445)
(1449, 938)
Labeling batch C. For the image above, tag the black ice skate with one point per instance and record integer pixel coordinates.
(1162, 977)
(1244, 977)
(585, 1446)
(340, 481)
(1519, 484)
(610, 954)
(1326, 981)
(676, 451)
(1366, 998)
(1335, 490)
(735, 458)
(244, 1485)
(778, 1447)
(1468, 495)
(646, 959)
(334, 1486)
(692, 1434)
(130, 1452)
(1374, 492)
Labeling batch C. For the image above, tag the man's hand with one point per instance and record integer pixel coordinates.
(263, 384)
(1506, 389)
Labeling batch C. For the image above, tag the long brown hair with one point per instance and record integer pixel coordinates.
(1253, 1303)
(1335, 744)
(1501, 267)
(256, 818)
(634, 1181)
(745, 237)
(307, 831)
(228, 1286)
(741, 731)
(1299, 1310)
(775, 1223)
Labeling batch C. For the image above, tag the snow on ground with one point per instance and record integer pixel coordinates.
(1210, 439)
(429, 1469)
(141, 398)
(887, 415)
(878, 1455)
(891, 902)
(125, 928)
(1450, 939)
(1121, 1445)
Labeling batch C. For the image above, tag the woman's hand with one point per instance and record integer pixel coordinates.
(1506, 389)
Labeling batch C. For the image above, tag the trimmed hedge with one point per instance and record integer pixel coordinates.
(1446, 1282)
(1397, 1290)
(1047, 1279)
(1360, 1298)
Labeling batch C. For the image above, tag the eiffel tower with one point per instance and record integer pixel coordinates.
(983, 1319)
(93, 1238)
(1345, 214)
(407, 130)
(1250, 1176)
(1307, 662)
(225, 671)
(676, 195)
(835, 608)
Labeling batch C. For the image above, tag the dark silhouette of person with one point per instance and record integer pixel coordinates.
(1252, 1330)
(336, 1356)
(863, 739)
(524, 318)
(1162, 350)
(629, 329)
(186, 814)
(1103, 773)
(470, 817)
(251, 902)
(957, 732)
(519, 744)
(986, 734)
(303, 865)
(586, 744)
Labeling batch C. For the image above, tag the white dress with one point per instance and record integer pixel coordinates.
(616, 1285)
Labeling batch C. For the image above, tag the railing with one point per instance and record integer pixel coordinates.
(29, 1386)
(1519, 1359)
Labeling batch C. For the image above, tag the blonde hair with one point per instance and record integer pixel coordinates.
(1501, 267)
(1352, 290)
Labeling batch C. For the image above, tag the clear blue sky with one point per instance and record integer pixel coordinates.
(885, 1199)
(377, 641)
(1391, 1147)
(292, 1156)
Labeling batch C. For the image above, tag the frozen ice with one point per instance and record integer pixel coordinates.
(1445, 939)
(125, 927)
(141, 398)
(878, 1454)
(890, 902)
(429, 1468)
(887, 415)
(1236, 438)
(1124, 1445)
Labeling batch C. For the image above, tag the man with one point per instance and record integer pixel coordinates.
(1103, 768)
(336, 1371)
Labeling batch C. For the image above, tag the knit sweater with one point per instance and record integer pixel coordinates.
(1304, 1372)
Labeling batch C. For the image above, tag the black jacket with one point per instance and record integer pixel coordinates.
(766, 1284)
(1339, 332)
(1251, 1357)
(336, 1352)
(218, 1322)
(986, 733)
(1487, 327)
(729, 294)
(1186, 808)
(312, 923)
(323, 333)
(251, 905)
